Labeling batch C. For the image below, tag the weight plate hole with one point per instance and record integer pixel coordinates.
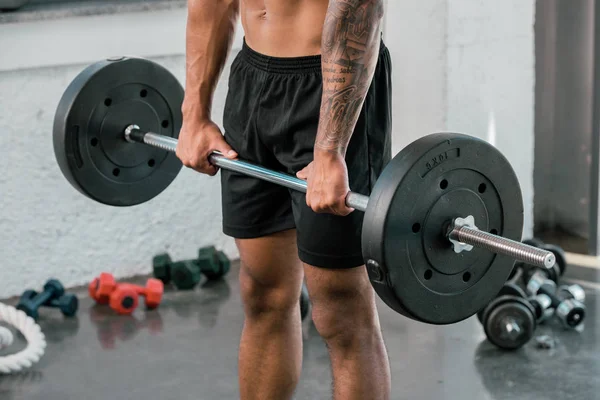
(482, 188)
(107, 102)
(466, 276)
(444, 184)
(94, 142)
(165, 124)
(428, 274)
(151, 162)
(116, 171)
(143, 93)
(416, 227)
(494, 231)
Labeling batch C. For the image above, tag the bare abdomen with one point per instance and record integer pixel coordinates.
(284, 28)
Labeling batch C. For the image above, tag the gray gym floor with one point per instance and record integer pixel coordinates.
(187, 349)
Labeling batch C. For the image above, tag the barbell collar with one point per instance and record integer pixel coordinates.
(132, 133)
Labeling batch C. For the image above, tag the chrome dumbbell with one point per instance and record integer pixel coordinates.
(574, 292)
(541, 303)
(569, 311)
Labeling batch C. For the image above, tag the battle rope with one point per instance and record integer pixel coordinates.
(36, 341)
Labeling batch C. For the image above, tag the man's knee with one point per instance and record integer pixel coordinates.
(346, 318)
(265, 297)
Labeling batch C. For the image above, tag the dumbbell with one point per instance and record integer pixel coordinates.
(569, 311)
(186, 274)
(575, 292)
(53, 296)
(123, 297)
(541, 303)
(161, 267)
(509, 321)
(211, 263)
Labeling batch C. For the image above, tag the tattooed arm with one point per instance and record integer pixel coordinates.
(349, 51)
(350, 46)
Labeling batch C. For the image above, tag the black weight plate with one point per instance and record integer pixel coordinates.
(411, 263)
(512, 289)
(89, 125)
(561, 258)
(497, 313)
(508, 289)
(480, 315)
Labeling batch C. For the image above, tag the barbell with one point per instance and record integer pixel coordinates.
(442, 225)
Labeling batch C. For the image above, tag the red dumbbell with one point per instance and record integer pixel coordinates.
(93, 291)
(123, 297)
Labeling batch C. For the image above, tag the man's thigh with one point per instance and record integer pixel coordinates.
(271, 262)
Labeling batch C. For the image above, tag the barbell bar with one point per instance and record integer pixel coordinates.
(461, 234)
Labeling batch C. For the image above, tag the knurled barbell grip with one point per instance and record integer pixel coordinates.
(493, 243)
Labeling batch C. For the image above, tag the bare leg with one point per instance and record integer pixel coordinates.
(270, 357)
(345, 315)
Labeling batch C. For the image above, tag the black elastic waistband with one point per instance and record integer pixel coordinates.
(284, 65)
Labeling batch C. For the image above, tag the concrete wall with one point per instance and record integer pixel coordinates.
(415, 33)
(490, 80)
(459, 65)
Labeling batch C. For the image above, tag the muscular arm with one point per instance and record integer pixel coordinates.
(209, 35)
(350, 47)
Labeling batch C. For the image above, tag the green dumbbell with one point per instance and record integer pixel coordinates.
(212, 263)
(186, 274)
(161, 267)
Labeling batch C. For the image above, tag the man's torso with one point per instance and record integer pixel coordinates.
(284, 28)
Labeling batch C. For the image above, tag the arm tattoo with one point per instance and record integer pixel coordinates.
(349, 50)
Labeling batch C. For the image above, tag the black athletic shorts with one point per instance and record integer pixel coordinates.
(270, 118)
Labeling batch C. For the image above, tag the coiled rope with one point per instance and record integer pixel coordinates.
(36, 341)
